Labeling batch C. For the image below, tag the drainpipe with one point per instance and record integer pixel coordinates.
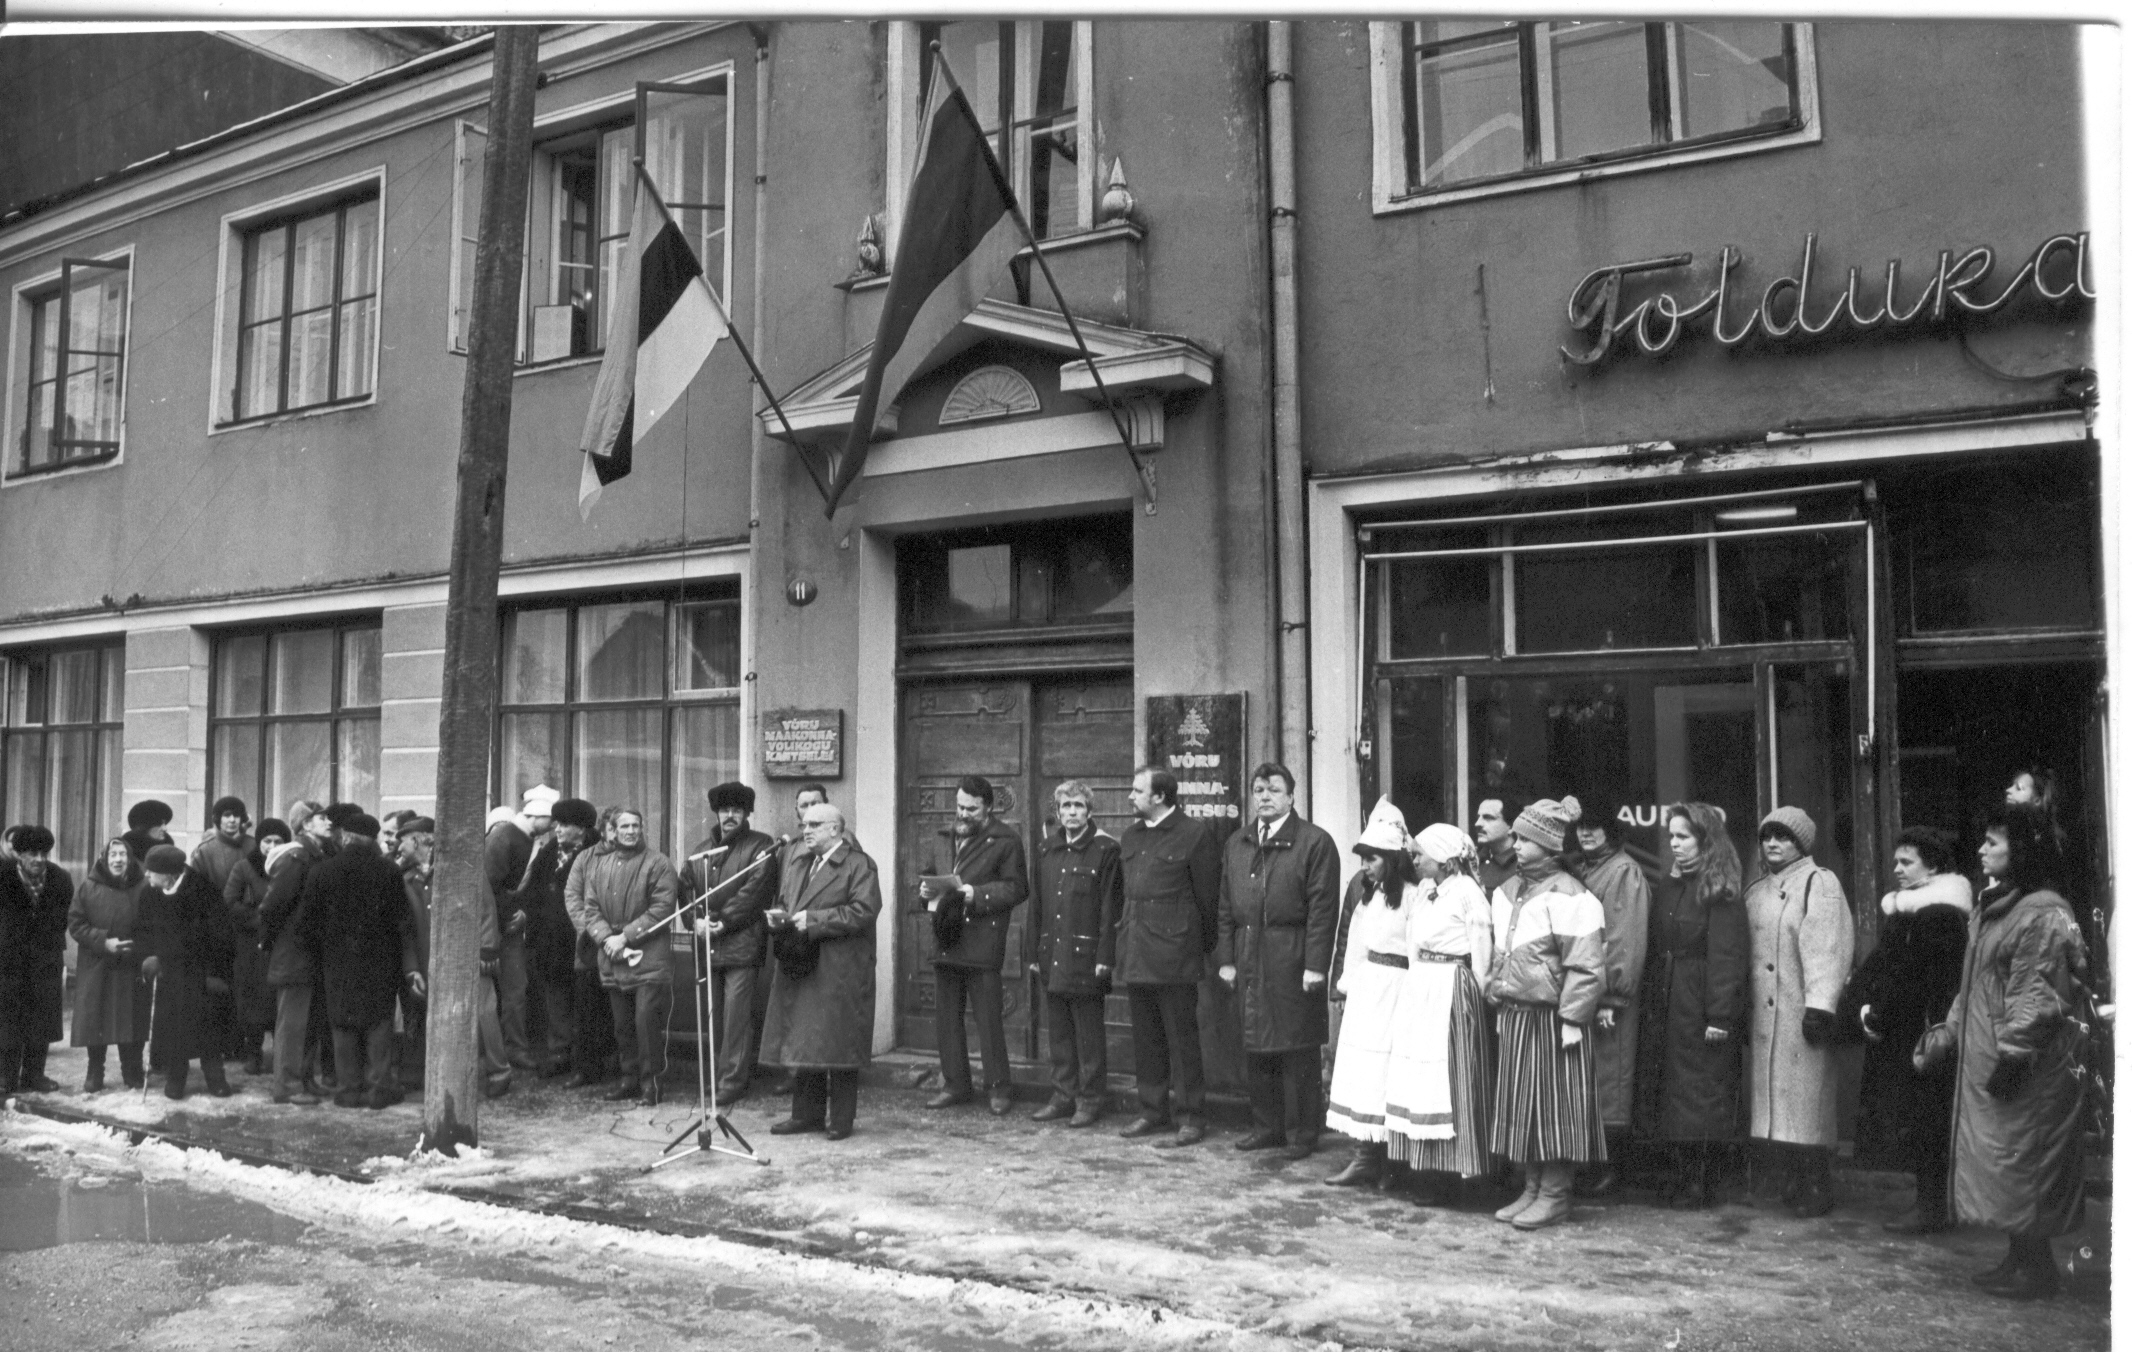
(758, 440)
(1290, 554)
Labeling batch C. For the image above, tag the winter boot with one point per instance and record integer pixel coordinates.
(1526, 1199)
(93, 1081)
(217, 1077)
(1599, 1179)
(1366, 1169)
(1815, 1194)
(1553, 1206)
(129, 1065)
(1692, 1178)
(1771, 1166)
(174, 1080)
(2032, 1274)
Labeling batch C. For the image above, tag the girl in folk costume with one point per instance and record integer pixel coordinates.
(1439, 1094)
(1368, 981)
(1550, 939)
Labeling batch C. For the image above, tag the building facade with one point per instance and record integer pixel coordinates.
(1594, 502)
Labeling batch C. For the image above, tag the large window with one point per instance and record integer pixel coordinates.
(1074, 572)
(307, 309)
(74, 367)
(624, 702)
(1023, 81)
(295, 715)
(1998, 546)
(580, 207)
(1478, 102)
(61, 722)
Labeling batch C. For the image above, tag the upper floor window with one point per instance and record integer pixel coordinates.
(1028, 82)
(1468, 106)
(61, 723)
(73, 367)
(580, 204)
(1077, 571)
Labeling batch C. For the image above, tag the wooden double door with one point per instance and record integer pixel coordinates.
(1026, 735)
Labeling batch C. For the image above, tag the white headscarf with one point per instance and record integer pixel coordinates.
(1446, 844)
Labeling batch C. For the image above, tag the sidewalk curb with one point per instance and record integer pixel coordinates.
(136, 1133)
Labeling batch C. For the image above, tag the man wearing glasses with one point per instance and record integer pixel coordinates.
(821, 1021)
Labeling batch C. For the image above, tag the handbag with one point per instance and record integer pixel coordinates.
(948, 919)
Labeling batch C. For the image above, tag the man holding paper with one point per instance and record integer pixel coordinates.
(972, 876)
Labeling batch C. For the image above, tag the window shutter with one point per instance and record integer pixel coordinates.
(472, 150)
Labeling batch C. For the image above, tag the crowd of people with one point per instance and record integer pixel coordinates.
(1527, 1003)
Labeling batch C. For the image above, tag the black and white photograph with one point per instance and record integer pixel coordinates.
(1199, 680)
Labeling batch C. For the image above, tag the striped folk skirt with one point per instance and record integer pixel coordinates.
(1465, 1150)
(1546, 1095)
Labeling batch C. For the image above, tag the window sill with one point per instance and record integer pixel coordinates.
(23, 476)
(293, 415)
(1589, 171)
(558, 364)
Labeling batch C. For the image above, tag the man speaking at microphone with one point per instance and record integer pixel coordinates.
(731, 927)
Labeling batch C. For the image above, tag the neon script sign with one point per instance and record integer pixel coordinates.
(1598, 308)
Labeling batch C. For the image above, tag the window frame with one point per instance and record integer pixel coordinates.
(111, 648)
(906, 64)
(1392, 131)
(27, 294)
(235, 228)
(672, 699)
(338, 712)
(602, 115)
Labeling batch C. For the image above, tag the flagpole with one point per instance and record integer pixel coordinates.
(1006, 190)
(732, 331)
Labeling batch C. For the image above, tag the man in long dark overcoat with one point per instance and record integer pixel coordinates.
(35, 895)
(1080, 895)
(986, 858)
(185, 931)
(821, 1020)
(292, 960)
(731, 927)
(1280, 910)
(355, 912)
(1171, 867)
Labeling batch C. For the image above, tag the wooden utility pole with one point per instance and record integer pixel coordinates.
(451, 1097)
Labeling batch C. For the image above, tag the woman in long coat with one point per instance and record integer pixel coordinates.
(1694, 1006)
(1624, 895)
(2019, 1098)
(184, 936)
(1903, 987)
(1799, 955)
(244, 892)
(110, 999)
(821, 1022)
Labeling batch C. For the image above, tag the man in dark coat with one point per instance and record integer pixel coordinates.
(985, 876)
(292, 961)
(1280, 908)
(355, 913)
(1171, 867)
(506, 854)
(731, 928)
(185, 931)
(1080, 895)
(551, 940)
(35, 895)
(226, 845)
(821, 1021)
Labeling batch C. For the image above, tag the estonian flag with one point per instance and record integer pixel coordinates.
(664, 323)
(959, 234)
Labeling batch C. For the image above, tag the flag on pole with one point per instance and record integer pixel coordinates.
(959, 233)
(664, 323)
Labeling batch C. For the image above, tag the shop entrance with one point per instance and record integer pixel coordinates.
(1027, 736)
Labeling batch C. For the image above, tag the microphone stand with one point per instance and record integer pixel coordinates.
(708, 1113)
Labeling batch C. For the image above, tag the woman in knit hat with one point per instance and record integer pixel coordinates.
(1367, 979)
(1799, 955)
(110, 999)
(1440, 1094)
(1550, 939)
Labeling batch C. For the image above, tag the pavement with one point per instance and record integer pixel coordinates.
(1205, 1235)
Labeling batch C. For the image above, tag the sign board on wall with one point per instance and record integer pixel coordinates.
(1200, 740)
(803, 743)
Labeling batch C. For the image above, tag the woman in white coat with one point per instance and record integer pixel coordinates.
(1368, 981)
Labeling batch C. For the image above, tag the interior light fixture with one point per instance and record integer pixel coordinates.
(1760, 514)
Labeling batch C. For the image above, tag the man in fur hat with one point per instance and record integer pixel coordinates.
(145, 826)
(550, 938)
(730, 926)
(355, 912)
(34, 897)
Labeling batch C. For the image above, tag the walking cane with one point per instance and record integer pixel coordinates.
(708, 1113)
(155, 988)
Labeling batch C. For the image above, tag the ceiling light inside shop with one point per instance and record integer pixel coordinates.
(1759, 515)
